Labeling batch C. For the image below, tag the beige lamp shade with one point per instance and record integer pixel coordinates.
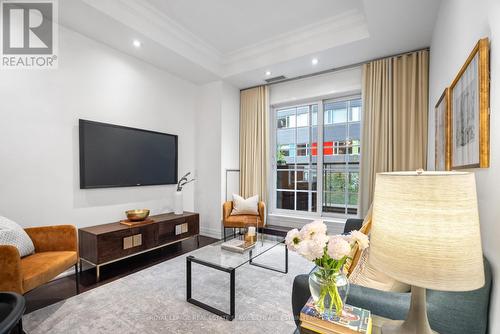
(425, 230)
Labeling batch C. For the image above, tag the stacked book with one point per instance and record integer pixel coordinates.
(237, 245)
(354, 320)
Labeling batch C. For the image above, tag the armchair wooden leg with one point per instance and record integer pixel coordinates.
(224, 233)
(77, 279)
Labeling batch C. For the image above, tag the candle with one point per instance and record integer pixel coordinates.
(251, 231)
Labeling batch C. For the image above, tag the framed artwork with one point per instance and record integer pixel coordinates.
(443, 132)
(470, 104)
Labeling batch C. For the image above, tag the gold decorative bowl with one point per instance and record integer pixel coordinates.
(137, 215)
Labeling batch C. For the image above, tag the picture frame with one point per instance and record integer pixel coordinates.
(442, 131)
(470, 109)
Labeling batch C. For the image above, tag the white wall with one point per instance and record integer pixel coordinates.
(329, 85)
(461, 23)
(208, 153)
(217, 149)
(39, 112)
(230, 133)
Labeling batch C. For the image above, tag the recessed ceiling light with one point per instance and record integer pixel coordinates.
(137, 43)
(268, 73)
(314, 61)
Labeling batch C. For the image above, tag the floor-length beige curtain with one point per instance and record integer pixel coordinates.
(395, 110)
(254, 142)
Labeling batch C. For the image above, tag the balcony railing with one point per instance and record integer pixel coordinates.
(340, 188)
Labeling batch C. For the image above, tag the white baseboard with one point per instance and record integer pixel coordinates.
(210, 232)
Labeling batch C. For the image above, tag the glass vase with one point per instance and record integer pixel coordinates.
(329, 290)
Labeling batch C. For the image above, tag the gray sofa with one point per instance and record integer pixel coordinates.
(448, 312)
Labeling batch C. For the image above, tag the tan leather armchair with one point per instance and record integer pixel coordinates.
(56, 250)
(242, 221)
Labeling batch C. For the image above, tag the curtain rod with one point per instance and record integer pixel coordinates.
(336, 69)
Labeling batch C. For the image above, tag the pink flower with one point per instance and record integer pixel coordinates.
(293, 239)
(361, 239)
(321, 239)
(313, 229)
(311, 249)
(338, 247)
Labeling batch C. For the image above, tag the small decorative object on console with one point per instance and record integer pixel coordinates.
(328, 283)
(178, 203)
(137, 215)
(178, 198)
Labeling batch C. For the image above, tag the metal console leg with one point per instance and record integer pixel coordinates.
(228, 316)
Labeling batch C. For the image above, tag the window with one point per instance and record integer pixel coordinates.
(341, 161)
(297, 167)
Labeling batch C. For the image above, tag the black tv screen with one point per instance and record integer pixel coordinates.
(118, 156)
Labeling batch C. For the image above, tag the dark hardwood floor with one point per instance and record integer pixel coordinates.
(65, 287)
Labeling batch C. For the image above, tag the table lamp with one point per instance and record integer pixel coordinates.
(425, 232)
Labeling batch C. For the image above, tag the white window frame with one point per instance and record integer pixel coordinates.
(273, 190)
(319, 162)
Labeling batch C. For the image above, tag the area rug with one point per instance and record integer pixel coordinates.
(154, 301)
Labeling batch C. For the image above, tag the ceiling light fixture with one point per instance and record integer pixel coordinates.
(315, 61)
(268, 73)
(137, 43)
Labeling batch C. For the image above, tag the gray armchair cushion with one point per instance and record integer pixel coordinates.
(392, 305)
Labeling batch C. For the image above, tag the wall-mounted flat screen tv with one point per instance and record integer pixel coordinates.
(118, 156)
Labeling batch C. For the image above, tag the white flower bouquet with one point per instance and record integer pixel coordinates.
(329, 253)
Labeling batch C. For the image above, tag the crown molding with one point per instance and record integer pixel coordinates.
(147, 10)
(150, 22)
(345, 28)
(333, 24)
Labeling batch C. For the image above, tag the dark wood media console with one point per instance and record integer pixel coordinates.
(103, 244)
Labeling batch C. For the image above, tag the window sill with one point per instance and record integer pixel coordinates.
(335, 225)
